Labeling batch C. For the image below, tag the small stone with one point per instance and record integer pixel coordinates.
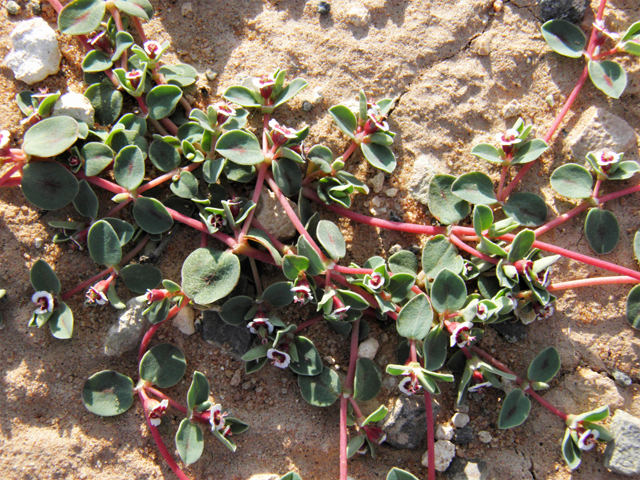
(444, 432)
(571, 10)
(125, 334)
(324, 8)
(211, 75)
(389, 382)
(392, 251)
(375, 201)
(264, 476)
(307, 106)
(35, 53)
(512, 109)
(463, 436)
(368, 348)
(484, 436)
(38, 242)
(237, 378)
(404, 424)
(376, 182)
(330, 360)
(482, 45)
(35, 6)
(391, 192)
(272, 216)
(246, 385)
(75, 105)
(461, 408)
(13, 8)
(444, 452)
(316, 96)
(358, 16)
(217, 332)
(394, 217)
(622, 378)
(622, 454)
(424, 168)
(512, 331)
(468, 469)
(184, 321)
(186, 9)
(550, 100)
(460, 420)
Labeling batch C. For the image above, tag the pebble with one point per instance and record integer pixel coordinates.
(13, 8)
(273, 217)
(444, 451)
(330, 360)
(324, 8)
(482, 46)
(394, 217)
(368, 348)
(184, 321)
(484, 436)
(358, 16)
(211, 75)
(237, 378)
(186, 9)
(622, 455)
(75, 105)
(404, 424)
(307, 106)
(550, 100)
(463, 436)
(391, 192)
(35, 6)
(376, 182)
(444, 432)
(316, 96)
(622, 378)
(38, 242)
(246, 385)
(571, 10)
(512, 109)
(460, 420)
(375, 201)
(125, 334)
(462, 408)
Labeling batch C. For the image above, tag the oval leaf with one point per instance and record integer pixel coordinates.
(521, 245)
(415, 318)
(633, 307)
(97, 157)
(189, 442)
(564, 38)
(198, 391)
(163, 365)
(140, 278)
(96, 61)
(151, 215)
(530, 151)
(104, 244)
(345, 119)
(572, 181)
(602, 231)
(321, 390)
(61, 322)
(608, 76)
(240, 147)
(528, 209)
(331, 239)
(43, 278)
(86, 201)
(309, 363)
(487, 152)
(48, 185)
(51, 136)
(368, 380)
(443, 204)
(288, 176)
(448, 292)
(379, 156)
(235, 309)
(545, 366)
(475, 187)
(163, 155)
(397, 474)
(128, 167)
(106, 101)
(438, 253)
(162, 100)
(435, 349)
(209, 275)
(81, 16)
(108, 393)
(515, 409)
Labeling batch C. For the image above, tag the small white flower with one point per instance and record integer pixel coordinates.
(254, 326)
(264, 81)
(375, 281)
(510, 137)
(44, 301)
(216, 417)
(302, 294)
(482, 312)
(478, 386)
(544, 312)
(96, 296)
(409, 385)
(285, 131)
(156, 412)
(461, 342)
(151, 48)
(280, 359)
(340, 313)
(588, 439)
(376, 117)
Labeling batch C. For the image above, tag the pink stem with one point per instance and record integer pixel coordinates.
(138, 26)
(347, 392)
(356, 409)
(85, 284)
(57, 6)
(256, 198)
(167, 176)
(159, 127)
(351, 270)
(276, 243)
(144, 344)
(561, 219)
(343, 438)
(10, 172)
(596, 188)
(349, 151)
(608, 53)
(173, 403)
(503, 176)
(204, 240)
(13, 182)
(371, 300)
(169, 126)
(590, 282)
(102, 183)
(463, 246)
(115, 13)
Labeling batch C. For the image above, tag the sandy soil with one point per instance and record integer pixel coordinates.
(425, 53)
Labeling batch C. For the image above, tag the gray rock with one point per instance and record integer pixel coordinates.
(404, 424)
(512, 109)
(571, 10)
(467, 469)
(35, 6)
(512, 331)
(444, 451)
(623, 453)
(13, 8)
(219, 333)
(125, 334)
(34, 53)
(324, 8)
(464, 436)
(211, 75)
(622, 378)
(307, 106)
(602, 130)
(75, 105)
(272, 216)
(424, 168)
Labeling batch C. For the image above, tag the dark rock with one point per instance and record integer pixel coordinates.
(463, 436)
(35, 6)
(571, 10)
(307, 106)
(623, 452)
(622, 378)
(512, 331)
(218, 332)
(415, 249)
(324, 8)
(394, 217)
(467, 469)
(404, 424)
(13, 8)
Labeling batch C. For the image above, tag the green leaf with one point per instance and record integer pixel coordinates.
(487, 152)
(515, 409)
(108, 393)
(403, 261)
(315, 262)
(354, 445)
(570, 451)
(521, 245)
(241, 96)
(189, 442)
(106, 101)
(545, 366)
(278, 294)
(625, 170)
(400, 285)
(633, 307)
(608, 76)
(136, 8)
(50, 137)
(435, 349)
(368, 380)
(438, 253)
(163, 365)
(240, 147)
(96, 61)
(448, 292)
(186, 186)
(287, 175)
(290, 91)
(379, 156)
(595, 415)
(86, 201)
(331, 239)
(164, 156)
(376, 416)
(81, 16)
(528, 209)
(636, 246)
(443, 204)
(291, 476)
(345, 119)
(475, 187)
(104, 244)
(572, 181)
(162, 100)
(128, 167)
(43, 278)
(235, 310)
(309, 363)
(415, 318)
(321, 390)
(209, 275)
(292, 265)
(123, 229)
(123, 41)
(256, 353)
(97, 157)
(564, 38)
(397, 474)
(227, 442)
(50, 186)
(141, 277)
(529, 152)
(322, 157)
(151, 215)
(198, 391)
(263, 239)
(180, 75)
(602, 231)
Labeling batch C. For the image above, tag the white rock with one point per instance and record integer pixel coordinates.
(512, 109)
(461, 408)
(358, 16)
(75, 105)
(272, 216)
(376, 182)
(444, 432)
(460, 420)
(444, 451)
(391, 192)
(186, 9)
(484, 436)
(482, 45)
(375, 201)
(424, 168)
(35, 53)
(368, 348)
(316, 96)
(184, 320)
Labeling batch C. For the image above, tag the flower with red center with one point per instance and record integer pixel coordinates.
(280, 359)
(302, 293)
(340, 313)
(543, 312)
(134, 77)
(216, 417)
(607, 159)
(281, 134)
(410, 384)
(155, 295)
(44, 301)
(156, 411)
(259, 321)
(460, 335)
(152, 48)
(588, 439)
(482, 312)
(96, 294)
(508, 138)
(216, 221)
(376, 121)
(375, 281)
(265, 84)
(375, 434)
(224, 111)
(479, 386)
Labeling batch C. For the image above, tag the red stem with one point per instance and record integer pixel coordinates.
(138, 26)
(463, 246)
(167, 176)
(85, 284)
(11, 171)
(503, 176)
(102, 183)
(144, 344)
(561, 219)
(590, 282)
(256, 198)
(349, 151)
(178, 406)
(351, 270)
(57, 6)
(343, 438)
(308, 323)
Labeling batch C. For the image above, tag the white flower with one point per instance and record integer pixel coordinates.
(409, 385)
(482, 312)
(254, 326)
(510, 137)
(280, 359)
(456, 335)
(588, 439)
(216, 417)
(375, 281)
(157, 411)
(284, 131)
(151, 48)
(340, 313)
(302, 294)
(264, 81)
(44, 301)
